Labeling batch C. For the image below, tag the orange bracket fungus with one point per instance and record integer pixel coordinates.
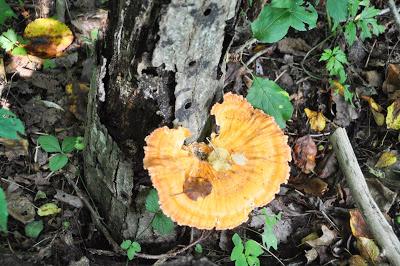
(47, 37)
(217, 185)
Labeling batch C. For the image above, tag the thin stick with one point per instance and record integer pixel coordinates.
(377, 223)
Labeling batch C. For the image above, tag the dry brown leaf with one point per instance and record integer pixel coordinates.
(21, 208)
(357, 260)
(315, 187)
(328, 166)
(368, 249)
(392, 82)
(357, 224)
(305, 151)
(317, 120)
(295, 46)
(325, 240)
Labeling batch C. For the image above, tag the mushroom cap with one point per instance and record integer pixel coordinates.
(218, 185)
(48, 37)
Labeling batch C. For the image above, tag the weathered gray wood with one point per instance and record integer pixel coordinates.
(132, 93)
(377, 223)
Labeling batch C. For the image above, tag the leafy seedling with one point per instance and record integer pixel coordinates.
(276, 18)
(198, 248)
(335, 60)
(160, 223)
(49, 64)
(51, 144)
(3, 211)
(5, 12)
(266, 95)
(247, 254)
(268, 237)
(10, 126)
(131, 248)
(10, 41)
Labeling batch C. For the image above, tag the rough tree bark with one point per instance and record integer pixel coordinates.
(162, 64)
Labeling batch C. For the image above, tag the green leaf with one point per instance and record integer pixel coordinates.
(162, 224)
(353, 7)
(337, 10)
(10, 125)
(253, 261)
(335, 59)
(19, 51)
(49, 143)
(133, 249)
(5, 12)
(152, 204)
(58, 161)
(68, 144)
(33, 229)
(198, 248)
(266, 95)
(268, 237)
(274, 21)
(79, 143)
(126, 244)
(350, 32)
(49, 64)
(252, 248)
(3, 211)
(237, 252)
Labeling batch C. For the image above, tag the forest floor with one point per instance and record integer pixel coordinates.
(319, 223)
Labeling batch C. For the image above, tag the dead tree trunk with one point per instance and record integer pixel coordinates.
(162, 64)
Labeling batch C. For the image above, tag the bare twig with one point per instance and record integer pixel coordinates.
(377, 223)
(395, 12)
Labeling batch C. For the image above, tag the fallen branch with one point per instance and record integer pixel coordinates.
(377, 223)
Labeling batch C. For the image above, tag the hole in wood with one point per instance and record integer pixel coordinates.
(188, 105)
(192, 63)
(207, 12)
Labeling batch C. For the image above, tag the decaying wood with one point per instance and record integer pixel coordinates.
(377, 223)
(162, 61)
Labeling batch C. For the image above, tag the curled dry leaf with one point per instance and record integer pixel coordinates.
(376, 110)
(218, 185)
(357, 224)
(47, 37)
(393, 115)
(317, 120)
(316, 187)
(387, 159)
(325, 240)
(305, 151)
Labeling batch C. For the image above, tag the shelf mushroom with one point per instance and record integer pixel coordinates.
(217, 185)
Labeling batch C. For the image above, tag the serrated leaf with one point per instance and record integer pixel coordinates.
(68, 144)
(33, 229)
(252, 248)
(49, 143)
(5, 12)
(19, 51)
(162, 224)
(350, 32)
(274, 21)
(337, 10)
(126, 244)
(48, 209)
(10, 125)
(152, 204)
(11, 35)
(58, 161)
(266, 95)
(3, 211)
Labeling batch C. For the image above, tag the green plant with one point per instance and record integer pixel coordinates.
(246, 254)
(335, 60)
(131, 248)
(51, 144)
(266, 95)
(160, 222)
(3, 211)
(33, 229)
(5, 12)
(268, 237)
(10, 41)
(10, 126)
(91, 41)
(49, 64)
(277, 17)
(358, 15)
(198, 248)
